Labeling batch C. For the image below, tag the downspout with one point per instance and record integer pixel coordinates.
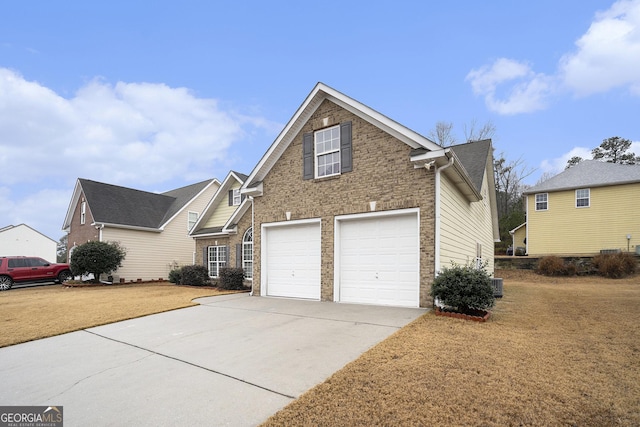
(253, 244)
(437, 214)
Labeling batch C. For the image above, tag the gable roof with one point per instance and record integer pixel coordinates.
(589, 173)
(221, 196)
(473, 156)
(127, 207)
(12, 227)
(320, 93)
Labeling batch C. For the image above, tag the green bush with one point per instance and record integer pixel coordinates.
(96, 258)
(231, 278)
(464, 289)
(615, 266)
(194, 275)
(175, 276)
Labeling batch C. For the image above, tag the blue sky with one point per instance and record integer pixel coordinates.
(157, 95)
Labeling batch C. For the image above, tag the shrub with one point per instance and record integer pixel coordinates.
(231, 278)
(175, 276)
(464, 288)
(553, 266)
(194, 275)
(96, 258)
(615, 266)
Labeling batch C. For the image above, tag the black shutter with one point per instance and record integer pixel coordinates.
(205, 257)
(228, 257)
(230, 197)
(307, 156)
(238, 255)
(346, 158)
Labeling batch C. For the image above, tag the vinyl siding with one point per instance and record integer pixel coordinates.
(563, 229)
(223, 211)
(463, 224)
(151, 255)
(24, 241)
(519, 237)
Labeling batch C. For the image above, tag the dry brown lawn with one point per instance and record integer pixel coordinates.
(556, 351)
(31, 313)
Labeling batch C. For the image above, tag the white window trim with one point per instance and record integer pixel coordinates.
(190, 223)
(237, 197)
(536, 202)
(219, 264)
(317, 154)
(588, 198)
(83, 213)
(248, 272)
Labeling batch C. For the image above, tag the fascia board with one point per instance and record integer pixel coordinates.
(213, 181)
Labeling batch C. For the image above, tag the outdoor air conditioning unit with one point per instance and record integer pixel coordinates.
(497, 287)
(637, 249)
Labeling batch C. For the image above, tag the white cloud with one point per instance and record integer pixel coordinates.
(607, 57)
(140, 135)
(608, 54)
(558, 164)
(123, 133)
(528, 91)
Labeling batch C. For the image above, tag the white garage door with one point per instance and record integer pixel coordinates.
(379, 260)
(293, 260)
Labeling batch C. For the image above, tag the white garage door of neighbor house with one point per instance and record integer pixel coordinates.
(293, 261)
(380, 260)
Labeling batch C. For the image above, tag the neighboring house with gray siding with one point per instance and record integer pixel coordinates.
(351, 206)
(152, 227)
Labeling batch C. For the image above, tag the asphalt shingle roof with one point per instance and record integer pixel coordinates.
(113, 204)
(473, 156)
(589, 173)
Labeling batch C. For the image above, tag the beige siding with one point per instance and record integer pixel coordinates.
(223, 211)
(151, 255)
(463, 225)
(519, 237)
(563, 229)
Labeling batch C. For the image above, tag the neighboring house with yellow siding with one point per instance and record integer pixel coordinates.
(590, 207)
(152, 227)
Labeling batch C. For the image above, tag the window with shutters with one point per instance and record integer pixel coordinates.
(237, 198)
(217, 257)
(327, 148)
(327, 152)
(247, 254)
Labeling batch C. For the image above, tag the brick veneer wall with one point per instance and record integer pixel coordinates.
(81, 233)
(382, 172)
(231, 241)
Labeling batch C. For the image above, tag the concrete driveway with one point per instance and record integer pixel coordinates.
(234, 360)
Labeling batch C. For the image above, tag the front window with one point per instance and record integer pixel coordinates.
(237, 197)
(327, 151)
(191, 221)
(217, 259)
(542, 201)
(582, 198)
(247, 254)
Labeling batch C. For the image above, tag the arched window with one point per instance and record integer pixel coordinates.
(247, 253)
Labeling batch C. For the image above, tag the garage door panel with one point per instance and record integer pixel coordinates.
(293, 261)
(380, 260)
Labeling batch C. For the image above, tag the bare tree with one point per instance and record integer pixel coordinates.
(443, 134)
(545, 176)
(472, 133)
